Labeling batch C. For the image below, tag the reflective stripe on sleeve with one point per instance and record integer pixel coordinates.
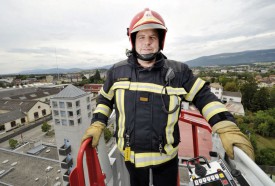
(171, 121)
(212, 108)
(195, 89)
(103, 109)
(109, 95)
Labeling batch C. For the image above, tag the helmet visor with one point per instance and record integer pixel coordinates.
(149, 26)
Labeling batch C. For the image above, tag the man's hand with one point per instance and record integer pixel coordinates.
(230, 136)
(94, 131)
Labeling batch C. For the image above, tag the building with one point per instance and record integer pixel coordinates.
(93, 88)
(14, 113)
(231, 96)
(40, 94)
(72, 113)
(217, 89)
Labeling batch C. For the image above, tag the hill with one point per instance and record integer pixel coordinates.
(51, 71)
(238, 58)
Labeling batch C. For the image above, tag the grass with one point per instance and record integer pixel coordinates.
(264, 142)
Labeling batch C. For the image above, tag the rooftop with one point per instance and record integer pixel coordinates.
(28, 170)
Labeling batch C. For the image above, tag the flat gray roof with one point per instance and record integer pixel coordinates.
(27, 169)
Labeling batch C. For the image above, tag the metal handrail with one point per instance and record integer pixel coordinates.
(96, 177)
(195, 123)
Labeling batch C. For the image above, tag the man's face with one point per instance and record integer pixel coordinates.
(147, 41)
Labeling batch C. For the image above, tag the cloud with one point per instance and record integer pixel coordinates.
(93, 33)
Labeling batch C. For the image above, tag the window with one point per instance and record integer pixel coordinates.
(77, 103)
(63, 113)
(78, 112)
(88, 99)
(71, 122)
(79, 121)
(44, 112)
(2, 128)
(57, 121)
(23, 120)
(70, 114)
(55, 113)
(89, 114)
(13, 124)
(89, 107)
(64, 122)
(36, 115)
(54, 103)
(61, 104)
(69, 104)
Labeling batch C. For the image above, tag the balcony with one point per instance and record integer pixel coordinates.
(64, 151)
(66, 164)
(66, 176)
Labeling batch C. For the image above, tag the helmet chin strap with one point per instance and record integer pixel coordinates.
(147, 57)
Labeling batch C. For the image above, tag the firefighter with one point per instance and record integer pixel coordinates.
(146, 90)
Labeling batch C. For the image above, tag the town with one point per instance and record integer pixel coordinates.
(43, 117)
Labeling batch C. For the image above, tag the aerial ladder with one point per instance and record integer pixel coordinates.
(108, 169)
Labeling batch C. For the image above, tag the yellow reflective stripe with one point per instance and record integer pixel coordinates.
(120, 85)
(109, 95)
(121, 120)
(153, 158)
(212, 108)
(175, 91)
(103, 109)
(148, 87)
(195, 89)
(171, 121)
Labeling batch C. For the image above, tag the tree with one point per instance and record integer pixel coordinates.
(45, 127)
(272, 98)
(260, 100)
(248, 90)
(13, 143)
(97, 75)
(266, 157)
(231, 86)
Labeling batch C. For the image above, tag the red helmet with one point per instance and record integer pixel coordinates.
(147, 19)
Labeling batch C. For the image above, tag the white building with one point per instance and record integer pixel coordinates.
(72, 113)
(217, 89)
(15, 113)
(231, 96)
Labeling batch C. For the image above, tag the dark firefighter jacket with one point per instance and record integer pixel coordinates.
(139, 96)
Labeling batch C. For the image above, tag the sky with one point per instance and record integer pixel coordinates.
(36, 34)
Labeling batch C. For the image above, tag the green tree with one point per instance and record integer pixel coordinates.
(266, 157)
(272, 98)
(45, 127)
(248, 90)
(231, 86)
(13, 143)
(260, 100)
(97, 75)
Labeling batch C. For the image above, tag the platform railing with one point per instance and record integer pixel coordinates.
(197, 121)
(95, 174)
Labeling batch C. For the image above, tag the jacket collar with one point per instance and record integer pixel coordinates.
(132, 60)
